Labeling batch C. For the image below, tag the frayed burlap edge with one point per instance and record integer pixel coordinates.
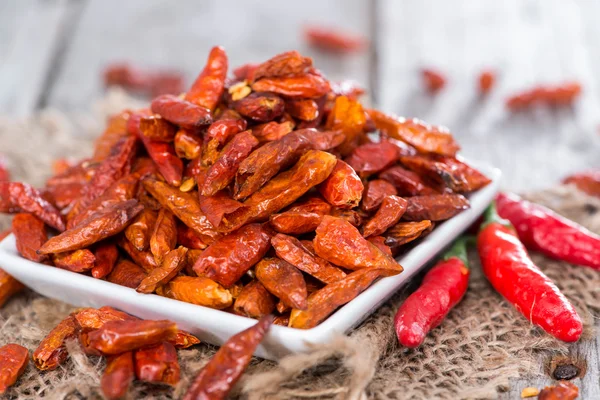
(482, 344)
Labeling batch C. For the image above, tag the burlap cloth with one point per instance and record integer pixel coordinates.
(482, 344)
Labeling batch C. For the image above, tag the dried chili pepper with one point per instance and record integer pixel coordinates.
(157, 363)
(379, 242)
(302, 218)
(30, 235)
(371, 158)
(375, 192)
(164, 235)
(128, 274)
(299, 255)
(405, 232)
(52, 352)
(99, 226)
(201, 291)
(340, 243)
(140, 230)
(437, 207)
(283, 280)
(407, 183)
(188, 238)
(21, 197)
(223, 171)
(118, 375)
(220, 132)
(181, 112)
(216, 378)
(389, 213)
(424, 137)
(304, 109)
(289, 63)
(563, 390)
(228, 259)
(310, 170)
(334, 41)
(448, 171)
(219, 205)
(116, 337)
(433, 80)
(260, 107)
(304, 86)
(541, 229)
(511, 272)
(254, 301)
(77, 261)
(342, 188)
(348, 117)
(152, 82)
(174, 261)
(272, 130)
(486, 81)
(587, 181)
(325, 301)
(90, 319)
(8, 287)
(208, 88)
(13, 361)
(553, 95)
(442, 289)
(245, 71)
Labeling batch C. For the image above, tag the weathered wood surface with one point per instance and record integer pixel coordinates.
(52, 53)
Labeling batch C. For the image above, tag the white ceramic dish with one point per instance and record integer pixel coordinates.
(214, 326)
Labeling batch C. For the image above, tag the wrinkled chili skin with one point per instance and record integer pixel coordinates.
(169, 165)
(541, 229)
(217, 206)
(405, 232)
(340, 243)
(128, 274)
(223, 171)
(181, 112)
(389, 213)
(511, 272)
(407, 183)
(185, 206)
(310, 170)
(442, 289)
(188, 238)
(208, 87)
(254, 301)
(424, 137)
(140, 230)
(118, 375)
(283, 280)
(260, 107)
(222, 372)
(13, 361)
(303, 109)
(438, 207)
(99, 226)
(372, 158)
(272, 130)
(325, 301)
(304, 86)
(51, 351)
(174, 261)
(347, 116)
(30, 235)
(288, 63)
(164, 236)
(116, 337)
(21, 197)
(77, 261)
(563, 390)
(187, 144)
(157, 129)
(157, 363)
(228, 259)
(201, 291)
(293, 251)
(343, 188)
(375, 191)
(301, 218)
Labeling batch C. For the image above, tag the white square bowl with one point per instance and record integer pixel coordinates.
(214, 326)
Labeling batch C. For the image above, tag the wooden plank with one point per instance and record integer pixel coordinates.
(30, 32)
(158, 33)
(528, 43)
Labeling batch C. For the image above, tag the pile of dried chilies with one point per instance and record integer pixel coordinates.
(271, 192)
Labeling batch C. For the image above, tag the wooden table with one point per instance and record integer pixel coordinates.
(52, 52)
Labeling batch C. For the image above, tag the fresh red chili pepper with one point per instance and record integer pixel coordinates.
(511, 272)
(443, 287)
(541, 229)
